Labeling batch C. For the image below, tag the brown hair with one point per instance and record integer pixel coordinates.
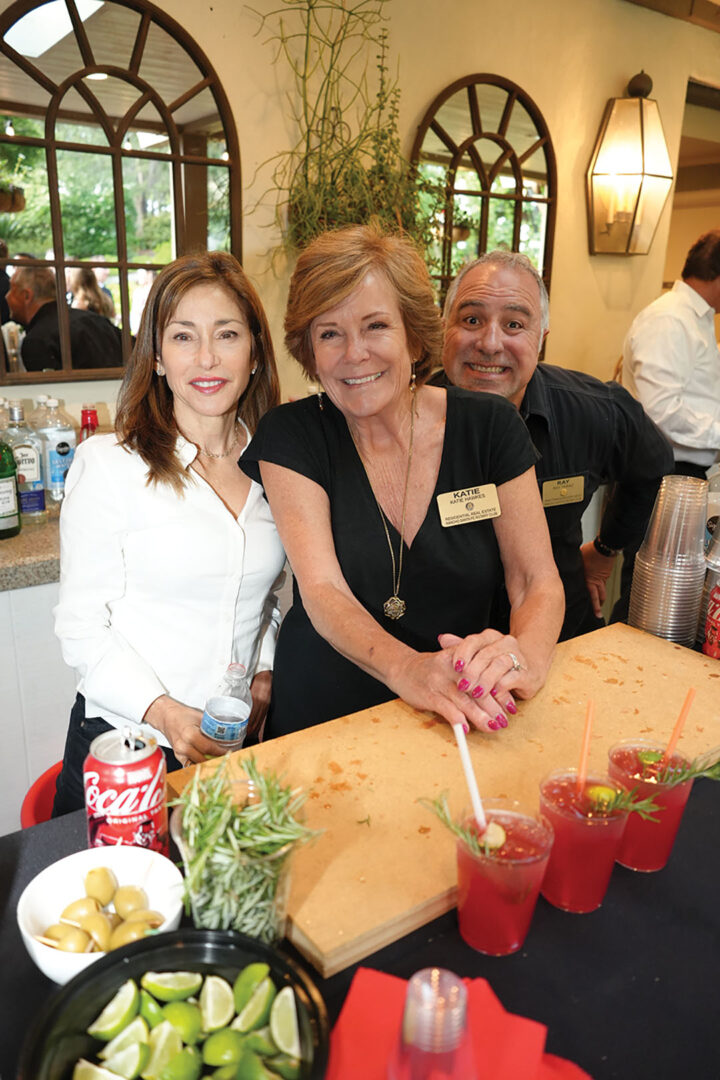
(84, 285)
(40, 280)
(703, 258)
(335, 263)
(145, 420)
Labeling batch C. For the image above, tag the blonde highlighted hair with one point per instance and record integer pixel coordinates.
(335, 263)
(145, 420)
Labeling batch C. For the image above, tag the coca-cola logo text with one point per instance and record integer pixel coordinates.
(143, 798)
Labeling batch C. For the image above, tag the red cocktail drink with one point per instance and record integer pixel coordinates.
(587, 838)
(646, 845)
(498, 888)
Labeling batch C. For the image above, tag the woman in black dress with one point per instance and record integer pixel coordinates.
(400, 505)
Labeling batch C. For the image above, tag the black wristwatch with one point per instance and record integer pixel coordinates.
(603, 549)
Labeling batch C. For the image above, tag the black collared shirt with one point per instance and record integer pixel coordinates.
(586, 428)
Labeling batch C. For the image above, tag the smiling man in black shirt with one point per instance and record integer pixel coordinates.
(587, 432)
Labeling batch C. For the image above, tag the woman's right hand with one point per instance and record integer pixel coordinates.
(429, 681)
(181, 726)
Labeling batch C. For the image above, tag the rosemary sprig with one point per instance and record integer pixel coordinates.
(627, 802)
(469, 836)
(707, 765)
(234, 855)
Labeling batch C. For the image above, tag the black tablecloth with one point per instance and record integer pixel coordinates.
(629, 992)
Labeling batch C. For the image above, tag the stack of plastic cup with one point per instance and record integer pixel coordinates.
(669, 569)
(434, 1041)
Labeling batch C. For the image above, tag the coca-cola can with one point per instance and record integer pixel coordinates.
(124, 778)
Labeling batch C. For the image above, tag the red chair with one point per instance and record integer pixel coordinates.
(38, 803)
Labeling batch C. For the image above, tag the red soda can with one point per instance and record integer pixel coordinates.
(710, 615)
(124, 778)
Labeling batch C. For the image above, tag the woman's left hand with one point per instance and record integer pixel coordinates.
(261, 689)
(492, 663)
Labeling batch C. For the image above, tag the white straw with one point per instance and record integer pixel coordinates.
(470, 776)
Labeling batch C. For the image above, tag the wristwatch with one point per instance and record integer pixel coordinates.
(603, 549)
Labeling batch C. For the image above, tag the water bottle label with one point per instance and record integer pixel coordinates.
(225, 719)
(60, 459)
(32, 502)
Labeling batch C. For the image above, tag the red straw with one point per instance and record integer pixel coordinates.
(679, 725)
(585, 752)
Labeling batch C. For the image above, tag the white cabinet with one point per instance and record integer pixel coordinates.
(37, 690)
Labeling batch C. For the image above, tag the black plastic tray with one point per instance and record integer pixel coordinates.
(58, 1037)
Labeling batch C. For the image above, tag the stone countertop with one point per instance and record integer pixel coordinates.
(33, 557)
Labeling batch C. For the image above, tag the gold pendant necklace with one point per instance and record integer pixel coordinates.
(218, 457)
(394, 607)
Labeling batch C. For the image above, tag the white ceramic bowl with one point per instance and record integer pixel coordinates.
(59, 884)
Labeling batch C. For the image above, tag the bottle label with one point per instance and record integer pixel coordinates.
(8, 504)
(225, 719)
(32, 502)
(60, 459)
(27, 459)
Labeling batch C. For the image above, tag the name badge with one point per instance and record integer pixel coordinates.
(560, 492)
(468, 504)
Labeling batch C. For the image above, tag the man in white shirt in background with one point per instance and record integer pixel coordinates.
(671, 360)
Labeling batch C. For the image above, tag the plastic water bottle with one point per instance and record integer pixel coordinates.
(27, 449)
(59, 441)
(4, 415)
(37, 417)
(227, 712)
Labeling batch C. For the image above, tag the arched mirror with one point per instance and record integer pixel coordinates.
(487, 143)
(117, 153)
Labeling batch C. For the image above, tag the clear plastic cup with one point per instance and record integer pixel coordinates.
(434, 1042)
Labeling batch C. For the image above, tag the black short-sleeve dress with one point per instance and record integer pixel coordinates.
(450, 575)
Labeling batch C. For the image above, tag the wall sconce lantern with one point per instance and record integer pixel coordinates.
(629, 176)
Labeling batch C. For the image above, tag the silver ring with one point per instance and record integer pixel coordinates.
(517, 666)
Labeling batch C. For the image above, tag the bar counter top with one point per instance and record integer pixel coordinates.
(33, 557)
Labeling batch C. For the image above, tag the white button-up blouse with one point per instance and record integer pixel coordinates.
(160, 592)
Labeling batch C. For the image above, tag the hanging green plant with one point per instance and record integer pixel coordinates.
(346, 167)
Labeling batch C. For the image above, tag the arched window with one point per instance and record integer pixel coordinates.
(114, 124)
(486, 141)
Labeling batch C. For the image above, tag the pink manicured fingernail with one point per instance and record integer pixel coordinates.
(463, 684)
(466, 729)
(493, 725)
(494, 692)
(510, 707)
(478, 691)
(502, 722)
(459, 665)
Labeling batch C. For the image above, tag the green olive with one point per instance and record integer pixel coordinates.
(99, 928)
(127, 932)
(101, 883)
(152, 918)
(86, 905)
(75, 940)
(57, 931)
(129, 898)
(114, 918)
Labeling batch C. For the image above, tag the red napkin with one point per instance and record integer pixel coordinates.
(506, 1047)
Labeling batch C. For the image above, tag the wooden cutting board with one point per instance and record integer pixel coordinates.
(384, 865)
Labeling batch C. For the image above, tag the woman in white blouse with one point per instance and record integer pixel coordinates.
(169, 555)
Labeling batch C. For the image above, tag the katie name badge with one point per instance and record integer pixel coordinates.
(468, 504)
(570, 489)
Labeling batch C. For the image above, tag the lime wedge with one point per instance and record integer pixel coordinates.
(600, 796)
(85, 1070)
(250, 1067)
(217, 1004)
(150, 1010)
(171, 985)
(165, 1044)
(186, 1065)
(256, 1012)
(261, 1042)
(135, 1032)
(493, 838)
(287, 1067)
(649, 757)
(225, 1072)
(223, 1047)
(284, 1022)
(247, 982)
(130, 1061)
(186, 1019)
(117, 1014)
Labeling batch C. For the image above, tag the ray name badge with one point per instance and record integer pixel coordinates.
(468, 504)
(570, 489)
